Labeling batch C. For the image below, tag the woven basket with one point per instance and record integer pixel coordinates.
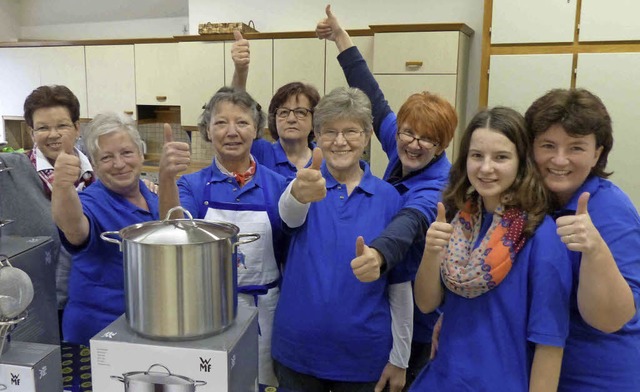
(226, 28)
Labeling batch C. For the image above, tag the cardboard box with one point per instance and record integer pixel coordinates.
(31, 367)
(227, 362)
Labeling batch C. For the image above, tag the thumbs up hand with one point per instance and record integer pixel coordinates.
(439, 232)
(66, 169)
(328, 28)
(577, 231)
(240, 53)
(309, 185)
(175, 157)
(366, 265)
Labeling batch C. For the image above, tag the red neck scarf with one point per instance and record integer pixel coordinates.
(245, 177)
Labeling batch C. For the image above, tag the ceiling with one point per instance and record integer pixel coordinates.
(53, 12)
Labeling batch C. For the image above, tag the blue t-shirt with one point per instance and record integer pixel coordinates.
(96, 281)
(273, 156)
(593, 360)
(263, 190)
(328, 324)
(487, 343)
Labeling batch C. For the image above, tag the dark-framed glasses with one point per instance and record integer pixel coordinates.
(300, 113)
(349, 134)
(408, 138)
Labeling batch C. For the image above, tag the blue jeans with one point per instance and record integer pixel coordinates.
(292, 381)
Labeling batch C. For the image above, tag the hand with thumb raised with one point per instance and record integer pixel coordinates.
(176, 156)
(367, 263)
(577, 231)
(240, 53)
(309, 185)
(329, 27)
(67, 169)
(439, 232)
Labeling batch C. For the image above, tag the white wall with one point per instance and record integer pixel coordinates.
(9, 26)
(302, 15)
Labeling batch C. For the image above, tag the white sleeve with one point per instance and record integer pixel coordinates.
(401, 301)
(292, 212)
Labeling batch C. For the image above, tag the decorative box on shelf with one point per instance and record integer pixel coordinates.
(226, 28)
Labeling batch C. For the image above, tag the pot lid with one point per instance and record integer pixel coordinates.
(179, 231)
(158, 377)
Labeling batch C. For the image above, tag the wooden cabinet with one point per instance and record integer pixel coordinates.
(157, 70)
(111, 82)
(411, 62)
(298, 60)
(517, 80)
(260, 79)
(334, 76)
(201, 75)
(615, 78)
(65, 65)
(610, 20)
(525, 21)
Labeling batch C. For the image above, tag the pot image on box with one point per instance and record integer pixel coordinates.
(159, 379)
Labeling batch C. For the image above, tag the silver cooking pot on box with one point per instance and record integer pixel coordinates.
(152, 381)
(180, 276)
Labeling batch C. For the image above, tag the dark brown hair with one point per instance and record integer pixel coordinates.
(280, 97)
(48, 97)
(430, 116)
(527, 191)
(580, 113)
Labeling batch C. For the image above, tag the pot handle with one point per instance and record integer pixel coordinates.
(105, 237)
(199, 383)
(119, 378)
(251, 238)
(159, 365)
(4, 262)
(178, 208)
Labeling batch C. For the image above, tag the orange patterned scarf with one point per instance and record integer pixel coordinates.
(472, 272)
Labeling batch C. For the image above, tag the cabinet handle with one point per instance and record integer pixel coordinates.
(413, 64)
(128, 112)
(161, 98)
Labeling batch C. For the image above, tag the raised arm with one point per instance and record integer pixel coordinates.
(354, 67)
(241, 57)
(605, 299)
(175, 159)
(66, 207)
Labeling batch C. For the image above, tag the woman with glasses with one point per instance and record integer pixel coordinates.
(331, 331)
(237, 189)
(418, 168)
(290, 119)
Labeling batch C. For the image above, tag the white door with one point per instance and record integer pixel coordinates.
(111, 81)
(157, 70)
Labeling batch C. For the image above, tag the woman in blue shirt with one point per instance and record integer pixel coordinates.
(498, 270)
(290, 120)
(571, 134)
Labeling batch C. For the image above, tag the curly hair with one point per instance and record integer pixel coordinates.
(527, 191)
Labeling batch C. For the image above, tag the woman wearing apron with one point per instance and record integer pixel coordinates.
(238, 190)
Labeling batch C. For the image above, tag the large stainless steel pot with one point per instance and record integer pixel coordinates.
(180, 276)
(150, 381)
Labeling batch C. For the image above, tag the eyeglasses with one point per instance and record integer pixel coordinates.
(408, 138)
(350, 134)
(61, 128)
(300, 113)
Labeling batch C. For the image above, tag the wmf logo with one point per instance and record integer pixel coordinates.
(15, 379)
(205, 365)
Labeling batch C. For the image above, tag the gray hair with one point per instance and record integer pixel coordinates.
(104, 124)
(237, 97)
(343, 103)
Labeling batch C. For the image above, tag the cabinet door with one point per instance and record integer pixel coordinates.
(525, 21)
(65, 65)
(157, 67)
(111, 82)
(615, 78)
(416, 53)
(397, 89)
(517, 80)
(260, 80)
(298, 60)
(334, 77)
(20, 75)
(201, 75)
(609, 20)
